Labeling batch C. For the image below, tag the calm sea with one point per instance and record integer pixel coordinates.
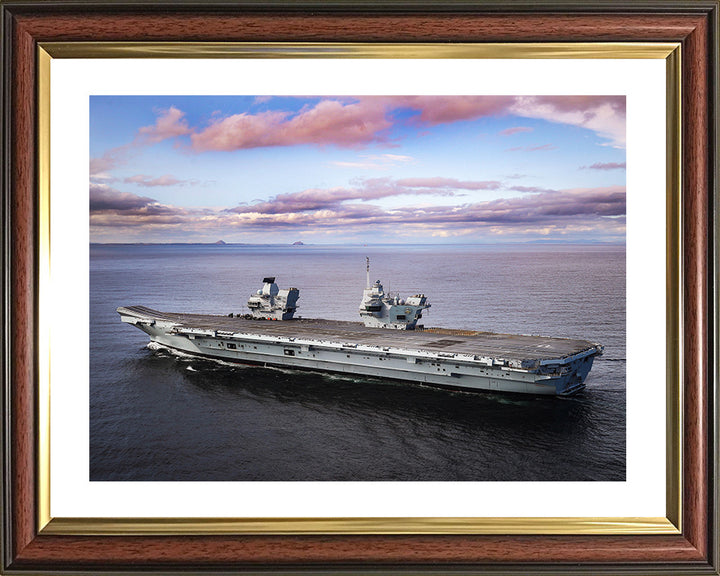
(156, 416)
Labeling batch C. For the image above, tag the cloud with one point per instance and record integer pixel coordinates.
(361, 121)
(374, 161)
(541, 147)
(396, 157)
(338, 209)
(364, 165)
(538, 148)
(605, 115)
(104, 198)
(592, 212)
(170, 124)
(112, 208)
(514, 130)
(330, 208)
(149, 181)
(366, 190)
(449, 183)
(530, 189)
(103, 178)
(435, 110)
(110, 159)
(548, 207)
(345, 124)
(598, 210)
(605, 166)
(358, 122)
(149, 220)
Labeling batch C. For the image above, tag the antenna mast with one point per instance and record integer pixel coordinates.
(367, 259)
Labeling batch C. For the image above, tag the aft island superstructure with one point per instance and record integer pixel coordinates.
(389, 343)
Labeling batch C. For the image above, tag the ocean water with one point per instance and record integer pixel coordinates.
(158, 416)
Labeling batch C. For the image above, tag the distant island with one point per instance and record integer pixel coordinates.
(399, 245)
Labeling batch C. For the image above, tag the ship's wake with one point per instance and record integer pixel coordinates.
(184, 356)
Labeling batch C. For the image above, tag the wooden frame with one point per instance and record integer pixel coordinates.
(694, 24)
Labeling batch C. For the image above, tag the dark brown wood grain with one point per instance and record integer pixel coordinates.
(23, 314)
(696, 202)
(688, 551)
(221, 551)
(359, 28)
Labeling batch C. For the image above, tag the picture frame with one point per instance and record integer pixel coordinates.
(685, 541)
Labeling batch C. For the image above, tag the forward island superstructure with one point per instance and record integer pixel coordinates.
(389, 343)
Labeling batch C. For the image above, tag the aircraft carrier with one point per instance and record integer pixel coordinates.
(388, 343)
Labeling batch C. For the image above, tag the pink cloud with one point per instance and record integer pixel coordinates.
(366, 120)
(110, 159)
(515, 130)
(584, 104)
(449, 183)
(371, 189)
(444, 109)
(604, 115)
(328, 122)
(542, 147)
(530, 189)
(110, 208)
(148, 181)
(170, 124)
(606, 166)
(104, 198)
(593, 208)
(590, 211)
(546, 207)
(599, 210)
(538, 148)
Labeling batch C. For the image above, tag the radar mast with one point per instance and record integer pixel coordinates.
(380, 310)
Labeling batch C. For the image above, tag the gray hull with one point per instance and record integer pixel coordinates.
(447, 358)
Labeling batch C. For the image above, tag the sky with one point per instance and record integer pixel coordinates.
(357, 170)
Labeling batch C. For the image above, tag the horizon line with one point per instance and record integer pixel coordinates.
(535, 242)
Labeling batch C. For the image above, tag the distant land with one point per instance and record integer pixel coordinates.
(300, 243)
(218, 243)
(578, 242)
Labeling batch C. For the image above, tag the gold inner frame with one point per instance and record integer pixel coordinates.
(670, 524)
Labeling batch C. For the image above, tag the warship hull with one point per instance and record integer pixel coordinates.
(456, 359)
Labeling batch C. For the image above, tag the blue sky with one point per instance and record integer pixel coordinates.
(259, 169)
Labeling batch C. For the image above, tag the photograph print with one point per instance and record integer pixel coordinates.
(370, 288)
